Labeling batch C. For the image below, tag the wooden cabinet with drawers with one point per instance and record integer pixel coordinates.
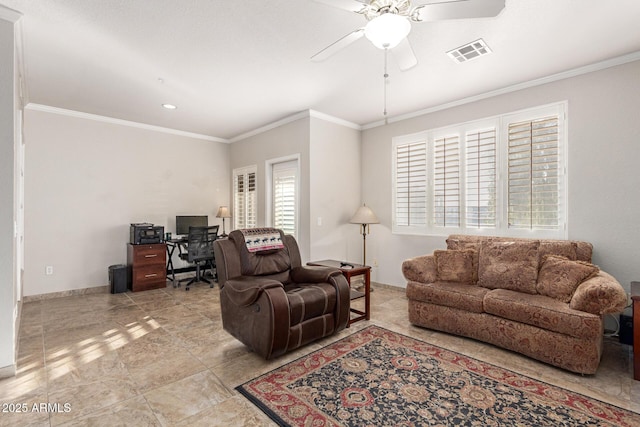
(148, 266)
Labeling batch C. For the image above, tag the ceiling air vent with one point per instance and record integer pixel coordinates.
(469, 51)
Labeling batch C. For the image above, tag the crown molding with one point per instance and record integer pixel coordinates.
(621, 60)
(333, 119)
(297, 116)
(273, 125)
(9, 14)
(111, 120)
(597, 66)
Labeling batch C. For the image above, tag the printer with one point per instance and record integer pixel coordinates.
(144, 233)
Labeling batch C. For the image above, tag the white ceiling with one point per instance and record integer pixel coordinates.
(234, 66)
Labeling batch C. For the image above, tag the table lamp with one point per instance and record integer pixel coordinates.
(223, 212)
(364, 216)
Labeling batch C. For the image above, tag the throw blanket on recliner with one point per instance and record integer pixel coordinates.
(262, 239)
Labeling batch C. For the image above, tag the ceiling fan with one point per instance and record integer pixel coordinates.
(389, 22)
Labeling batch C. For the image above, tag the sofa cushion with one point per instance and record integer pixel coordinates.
(455, 266)
(450, 294)
(559, 277)
(543, 312)
(584, 251)
(565, 248)
(467, 243)
(509, 265)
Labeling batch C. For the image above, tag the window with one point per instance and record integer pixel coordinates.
(501, 175)
(283, 209)
(533, 174)
(245, 203)
(480, 162)
(446, 181)
(411, 184)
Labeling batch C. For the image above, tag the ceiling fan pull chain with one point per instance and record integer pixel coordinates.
(386, 78)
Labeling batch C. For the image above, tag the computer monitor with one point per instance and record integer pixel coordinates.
(183, 222)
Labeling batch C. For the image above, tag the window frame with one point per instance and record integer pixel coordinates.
(269, 205)
(245, 172)
(500, 123)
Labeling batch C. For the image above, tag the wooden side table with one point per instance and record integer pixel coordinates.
(349, 272)
(636, 337)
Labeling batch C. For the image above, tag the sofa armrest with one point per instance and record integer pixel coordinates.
(420, 269)
(245, 290)
(602, 294)
(313, 274)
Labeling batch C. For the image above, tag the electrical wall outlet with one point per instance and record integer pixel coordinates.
(375, 263)
(48, 270)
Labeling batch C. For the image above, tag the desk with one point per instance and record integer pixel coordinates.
(172, 244)
(348, 273)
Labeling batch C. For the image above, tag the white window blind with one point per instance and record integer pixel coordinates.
(481, 179)
(245, 198)
(285, 184)
(411, 184)
(533, 174)
(502, 175)
(446, 182)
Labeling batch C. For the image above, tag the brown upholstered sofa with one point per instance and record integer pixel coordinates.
(269, 301)
(541, 298)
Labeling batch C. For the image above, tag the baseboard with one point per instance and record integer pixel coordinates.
(8, 371)
(386, 286)
(69, 293)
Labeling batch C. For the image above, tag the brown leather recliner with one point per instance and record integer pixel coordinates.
(269, 301)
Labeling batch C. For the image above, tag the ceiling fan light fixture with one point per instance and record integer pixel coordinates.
(387, 30)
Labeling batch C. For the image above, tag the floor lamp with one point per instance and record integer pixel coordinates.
(223, 212)
(364, 216)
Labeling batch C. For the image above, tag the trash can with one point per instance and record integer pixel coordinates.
(626, 327)
(118, 278)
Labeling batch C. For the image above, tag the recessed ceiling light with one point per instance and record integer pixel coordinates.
(169, 106)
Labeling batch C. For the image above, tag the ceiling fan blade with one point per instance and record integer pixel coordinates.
(457, 9)
(404, 56)
(350, 5)
(336, 46)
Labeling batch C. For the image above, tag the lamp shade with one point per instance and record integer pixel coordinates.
(364, 215)
(387, 30)
(223, 212)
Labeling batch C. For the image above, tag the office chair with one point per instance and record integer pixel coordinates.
(200, 252)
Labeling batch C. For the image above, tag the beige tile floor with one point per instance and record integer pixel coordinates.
(161, 358)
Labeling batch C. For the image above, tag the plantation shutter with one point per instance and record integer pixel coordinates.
(534, 174)
(481, 179)
(446, 181)
(411, 184)
(285, 177)
(245, 198)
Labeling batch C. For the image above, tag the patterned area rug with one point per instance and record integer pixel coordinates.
(376, 377)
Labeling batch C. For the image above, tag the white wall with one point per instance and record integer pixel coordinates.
(8, 297)
(330, 176)
(288, 139)
(604, 154)
(335, 178)
(87, 180)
